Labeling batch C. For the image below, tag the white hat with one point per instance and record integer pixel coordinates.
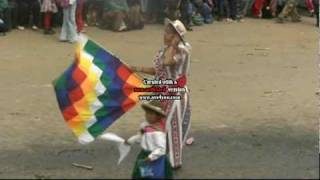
(178, 26)
(155, 106)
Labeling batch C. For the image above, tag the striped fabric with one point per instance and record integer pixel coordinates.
(95, 91)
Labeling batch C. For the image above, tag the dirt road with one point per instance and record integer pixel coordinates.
(254, 107)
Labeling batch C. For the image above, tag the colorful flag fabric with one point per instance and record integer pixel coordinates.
(95, 91)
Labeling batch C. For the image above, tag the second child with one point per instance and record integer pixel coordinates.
(152, 162)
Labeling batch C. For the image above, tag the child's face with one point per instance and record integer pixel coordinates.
(152, 117)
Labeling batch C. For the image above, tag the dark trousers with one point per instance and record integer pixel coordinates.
(233, 8)
(24, 10)
(220, 4)
(227, 8)
(85, 10)
(172, 9)
(242, 8)
(5, 16)
(13, 16)
(97, 7)
(185, 14)
(9, 17)
(57, 18)
(316, 10)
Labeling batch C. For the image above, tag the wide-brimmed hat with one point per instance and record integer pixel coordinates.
(178, 27)
(154, 106)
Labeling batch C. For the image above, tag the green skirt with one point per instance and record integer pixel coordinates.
(158, 169)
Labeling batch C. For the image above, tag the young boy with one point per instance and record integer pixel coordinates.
(152, 161)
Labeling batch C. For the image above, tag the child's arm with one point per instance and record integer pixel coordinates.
(134, 139)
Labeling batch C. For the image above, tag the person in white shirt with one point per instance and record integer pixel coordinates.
(152, 161)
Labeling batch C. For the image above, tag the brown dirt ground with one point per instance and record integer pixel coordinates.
(254, 112)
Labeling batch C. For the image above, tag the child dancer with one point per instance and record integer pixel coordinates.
(48, 7)
(152, 161)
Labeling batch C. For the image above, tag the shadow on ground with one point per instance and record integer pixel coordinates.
(220, 153)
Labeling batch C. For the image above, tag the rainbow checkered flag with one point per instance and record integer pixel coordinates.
(95, 91)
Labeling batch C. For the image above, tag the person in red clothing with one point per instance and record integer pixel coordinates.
(48, 7)
(79, 15)
(258, 5)
(310, 6)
